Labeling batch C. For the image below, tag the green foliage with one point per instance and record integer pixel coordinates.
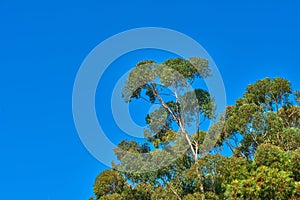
(195, 196)
(108, 182)
(114, 196)
(270, 156)
(268, 93)
(262, 130)
(173, 72)
(169, 85)
(297, 96)
(130, 146)
(297, 190)
(265, 114)
(264, 183)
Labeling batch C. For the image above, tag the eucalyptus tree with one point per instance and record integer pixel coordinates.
(181, 106)
(265, 114)
(262, 129)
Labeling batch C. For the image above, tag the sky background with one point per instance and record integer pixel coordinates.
(43, 43)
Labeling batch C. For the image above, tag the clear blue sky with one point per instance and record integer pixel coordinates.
(44, 42)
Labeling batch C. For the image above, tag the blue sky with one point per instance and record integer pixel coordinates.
(42, 47)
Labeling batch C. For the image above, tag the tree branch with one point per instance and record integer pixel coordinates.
(177, 120)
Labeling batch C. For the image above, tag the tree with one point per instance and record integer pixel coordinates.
(261, 129)
(263, 115)
(108, 182)
(263, 126)
(169, 85)
(274, 175)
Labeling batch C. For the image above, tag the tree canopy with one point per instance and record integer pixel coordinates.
(180, 160)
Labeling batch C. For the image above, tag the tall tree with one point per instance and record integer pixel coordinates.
(262, 130)
(169, 85)
(265, 114)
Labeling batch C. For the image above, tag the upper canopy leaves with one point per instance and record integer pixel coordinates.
(264, 114)
(171, 73)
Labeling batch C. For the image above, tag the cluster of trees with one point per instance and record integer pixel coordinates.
(182, 162)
